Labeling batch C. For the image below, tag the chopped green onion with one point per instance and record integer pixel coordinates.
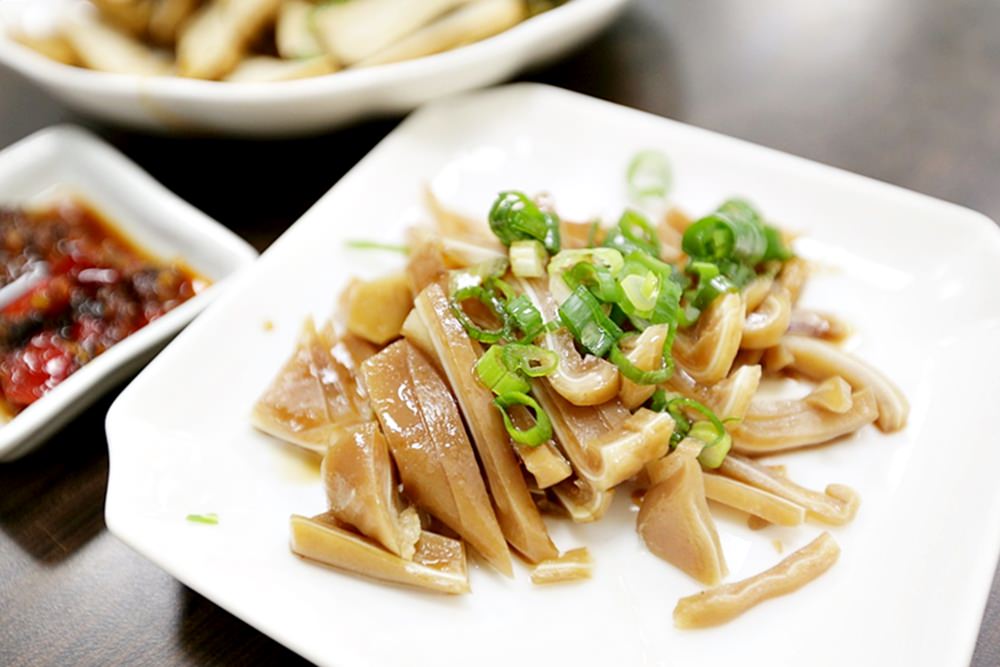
(210, 519)
(478, 274)
(531, 360)
(496, 375)
(539, 433)
(711, 283)
(735, 238)
(525, 317)
(585, 318)
(527, 259)
(649, 176)
(597, 278)
(717, 444)
(609, 258)
(504, 288)
(678, 402)
(658, 401)
(489, 299)
(636, 374)
(361, 244)
(776, 248)
(595, 227)
(514, 217)
(641, 292)
(682, 425)
(734, 232)
(633, 233)
(665, 294)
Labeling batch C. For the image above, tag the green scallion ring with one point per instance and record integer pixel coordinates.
(488, 299)
(536, 435)
(532, 360)
(636, 374)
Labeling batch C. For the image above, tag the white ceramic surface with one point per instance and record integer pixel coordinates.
(68, 160)
(914, 275)
(295, 107)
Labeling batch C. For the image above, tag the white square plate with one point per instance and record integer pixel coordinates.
(68, 160)
(914, 275)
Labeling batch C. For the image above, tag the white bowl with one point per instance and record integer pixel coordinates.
(914, 275)
(295, 107)
(67, 160)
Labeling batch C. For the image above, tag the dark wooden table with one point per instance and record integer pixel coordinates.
(906, 91)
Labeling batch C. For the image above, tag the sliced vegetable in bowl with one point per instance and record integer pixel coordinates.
(207, 73)
(268, 40)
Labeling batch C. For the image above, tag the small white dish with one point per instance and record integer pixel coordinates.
(68, 160)
(294, 107)
(914, 275)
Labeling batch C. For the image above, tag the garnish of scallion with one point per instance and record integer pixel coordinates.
(515, 217)
(210, 519)
(649, 176)
(536, 435)
(362, 244)
(527, 258)
(494, 373)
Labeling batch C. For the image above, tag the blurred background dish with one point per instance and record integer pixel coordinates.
(346, 78)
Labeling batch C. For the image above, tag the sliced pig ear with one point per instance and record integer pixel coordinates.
(646, 355)
(518, 516)
(361, 490)
(583, 502)
(836, 507)
(573, 565)
(676, 525)
(314, 395)
(580, 380)
(820, 360)
(755, 502)
(438, 564)
(724, 603)
(777, 425)
(731, 398)
(768, 322)
(708, 352)
(793, 277)
(431, 449)
(425, 263)
(606, 444)
(376, 309)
